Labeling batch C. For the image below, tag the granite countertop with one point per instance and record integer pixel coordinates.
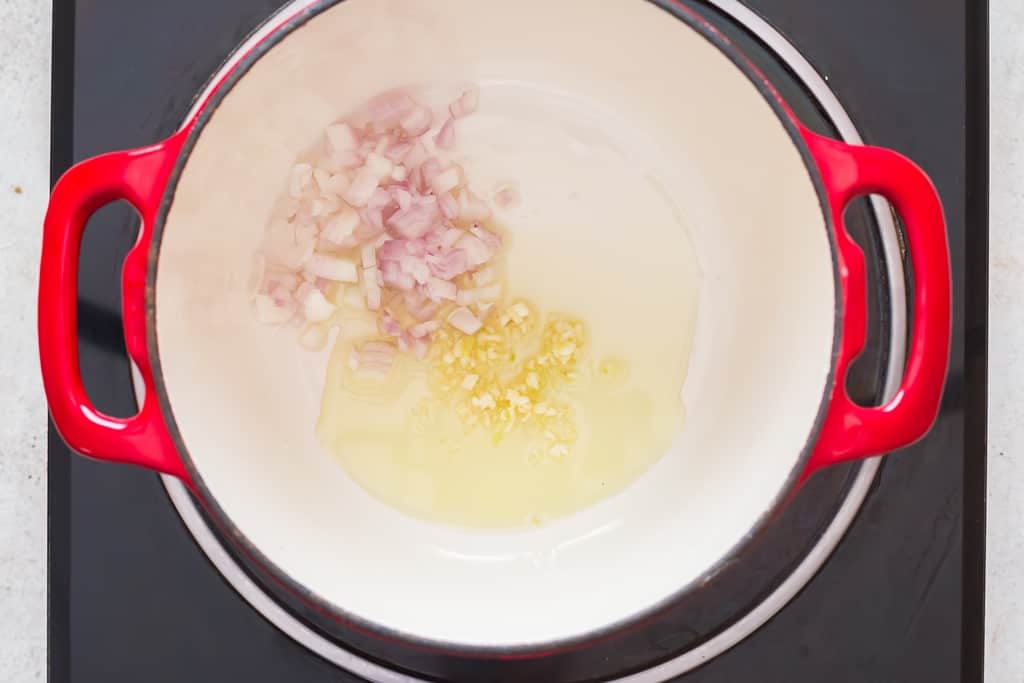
(24, 187)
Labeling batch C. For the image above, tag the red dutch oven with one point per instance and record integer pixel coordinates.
(779, 316)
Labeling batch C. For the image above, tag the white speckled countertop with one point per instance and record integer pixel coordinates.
(24, 186)
(1005, 557)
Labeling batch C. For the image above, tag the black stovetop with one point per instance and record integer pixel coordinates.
(133, 600)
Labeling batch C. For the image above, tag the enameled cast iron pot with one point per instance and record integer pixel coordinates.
(782, 313)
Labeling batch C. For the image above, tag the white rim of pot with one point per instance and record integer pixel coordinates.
(759, 615)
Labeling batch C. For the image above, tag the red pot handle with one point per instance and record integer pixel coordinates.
(139, 177)
(851, 431)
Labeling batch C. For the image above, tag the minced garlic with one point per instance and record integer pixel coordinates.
(506, 376)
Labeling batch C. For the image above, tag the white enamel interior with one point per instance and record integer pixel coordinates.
(244, 397)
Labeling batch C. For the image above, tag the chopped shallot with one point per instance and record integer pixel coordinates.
(441, 290)
(489, 238)
(358, 194)
(415, 220)
(450, 265)
(485, 276)
(477, 253)
(388, 109)
(417, 122)
(464, 321)
(446, 181)
(467, 104)
(333, 268)
(315, 305)
(424, 329)
(472, 208)
(389, 326)
(449, 206)
(371, 288)
(420, 346)
(445, 138)
(270, 312)
(341, 226)
(378, 211)
(342, 138)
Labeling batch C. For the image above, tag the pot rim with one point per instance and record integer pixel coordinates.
(226, 77)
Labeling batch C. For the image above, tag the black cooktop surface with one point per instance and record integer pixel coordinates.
(132, 599)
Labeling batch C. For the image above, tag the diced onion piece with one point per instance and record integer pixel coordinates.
(464, 321)
(428, 170)
(420, 347)
(416, 266)
(472, 208)
(417, 122)
(322, 177)
(441, 290)
(299, 180)
(368, 255)
(415, 220)
(380, 199)
(313, 337)
(276, 279)
(315, 305)
(333, 268)
(449, 206)
(465, 105)
(345, 161)
(371, 224)
(387, 109)
(424, 329)
(477, 253)
(451, 238)
(380, 166)
(389, 326)
(445, 181)
(450, 265)
(341, 137)
(396, 152)
(492, 240)
(485, 276)
(392, 250)
(371, 288)
(402, 197)
(445, 138)
(359, 192)
(324, 206)
(341, 226)
(415, 156)
(268, 312)
(337, 185)
(467, 297)
(393, 276)
(424, 310)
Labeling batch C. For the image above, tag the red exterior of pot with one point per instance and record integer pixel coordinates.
(848, 432)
